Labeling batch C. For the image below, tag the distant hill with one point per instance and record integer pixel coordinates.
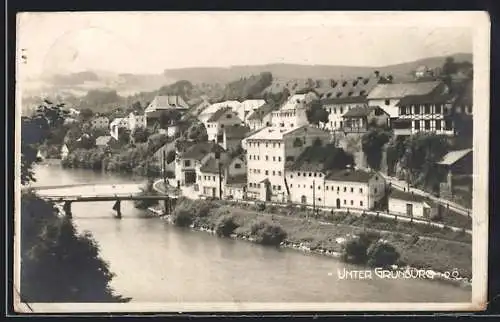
(400, 71)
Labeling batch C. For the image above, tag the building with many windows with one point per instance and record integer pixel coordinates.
(267, 151)
(388, 96)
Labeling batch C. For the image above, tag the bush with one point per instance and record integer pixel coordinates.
(146, 203)
(382, 254)
(261, 206)
(225, 226)
(182, 218)
(266, 233)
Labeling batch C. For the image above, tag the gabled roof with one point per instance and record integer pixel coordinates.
(344, 100)
(262, 111)
(345, 88)
(312, 159)
(407, 196)
(167, 102)
(220, 113)
(210, 166)
(350, 176)
(217, 106)
(200, 150)
(400, 90)
(360, 111)
(426, 99)
(236, 131)
(103, 140)
(453, 156)
(293, 100)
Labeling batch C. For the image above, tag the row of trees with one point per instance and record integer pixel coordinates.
(57, 264)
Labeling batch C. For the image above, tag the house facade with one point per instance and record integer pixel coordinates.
(261, 117)
(267, 152)
(218, 121)
(187, 163)
(99, 122)
(208, 112)
(161, 104)
(388, 96)
(116, 124)
(247, 107)
(349, 188)
(136, 120)
(408, 204)
(337, 107)
(209, 175)
(359, 119)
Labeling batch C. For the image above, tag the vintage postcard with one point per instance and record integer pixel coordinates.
(251, 161)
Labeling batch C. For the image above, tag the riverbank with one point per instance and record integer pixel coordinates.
(314, 236)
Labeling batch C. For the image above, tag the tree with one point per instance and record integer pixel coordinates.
(86, 114)
(316, 113)
(123, 135)
(450, 67)
(372, 143)
(141, 134)
(198, 133)
(57, 264)
(337, 159)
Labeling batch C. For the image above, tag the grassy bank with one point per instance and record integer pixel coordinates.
(415, 249)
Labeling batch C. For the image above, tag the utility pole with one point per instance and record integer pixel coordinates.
(314, 197)
(164, 170)
(220, 181)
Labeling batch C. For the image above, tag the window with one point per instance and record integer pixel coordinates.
(237, 166)
(338, 189)
(447, 125)
(345, 189)
(326, 188)
(319, 187)
(291, 176)
(427, 124)
(387, 102)
(279, 187)
(345, 202)
(274, 145)
(274, 172)
(266, 145)
(341, 111)
(438, 125)
(291, 185)
(416, 109)
(319, 199)
(315, 174)
(352, 202)
(279, 173)
(311, 187)
(213, 177)
(279, 159)
(352, 189)
(310, 174)
(267, 158)
(274, 187)
(402, 110)
(274, 158)
(334, 110)
(360, 190)
(187, 163)
(258, 185)
(417, 125)
(427, 108)
(298, 175)
(361, 203)
(375, 190)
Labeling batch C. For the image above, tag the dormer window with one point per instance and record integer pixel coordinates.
(349, 94)
(344, 84)
(339, 94)
(362, 93)
(354, 83)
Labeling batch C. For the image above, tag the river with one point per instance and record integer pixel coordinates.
(156, 262)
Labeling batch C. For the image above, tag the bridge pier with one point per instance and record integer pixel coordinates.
(117, 208)
(67, 209)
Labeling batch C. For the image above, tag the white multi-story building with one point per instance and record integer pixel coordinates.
(267, 151)
(347, 188)
(99, 122)
(220, 119)
(388, 96)
(337, 107)
(210, 174)
(136, 120)
(187, 163)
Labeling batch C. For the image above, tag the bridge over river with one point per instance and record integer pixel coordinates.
(68, 194)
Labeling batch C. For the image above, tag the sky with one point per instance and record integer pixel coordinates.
(127, 42)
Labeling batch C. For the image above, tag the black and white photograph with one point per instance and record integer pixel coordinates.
(251, 161)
